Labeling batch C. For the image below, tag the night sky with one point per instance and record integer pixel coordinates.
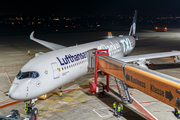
(89, 7)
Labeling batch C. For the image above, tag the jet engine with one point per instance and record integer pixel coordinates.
(143, 63)
(177, 59)
(45, 96)
(38, 54)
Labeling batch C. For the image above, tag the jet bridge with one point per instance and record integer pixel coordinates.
(160, 86)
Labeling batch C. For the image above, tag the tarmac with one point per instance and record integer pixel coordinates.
(77, 102)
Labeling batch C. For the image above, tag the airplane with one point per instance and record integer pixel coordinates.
(53, 69)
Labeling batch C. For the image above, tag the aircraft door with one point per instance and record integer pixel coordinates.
(55, 70)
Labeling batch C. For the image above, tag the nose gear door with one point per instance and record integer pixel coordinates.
(55, 70)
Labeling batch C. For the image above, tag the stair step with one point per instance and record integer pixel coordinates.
(122, 88)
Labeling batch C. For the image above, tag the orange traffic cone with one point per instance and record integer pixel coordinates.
(131, 93)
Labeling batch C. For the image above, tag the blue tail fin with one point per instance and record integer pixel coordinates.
(133, 26)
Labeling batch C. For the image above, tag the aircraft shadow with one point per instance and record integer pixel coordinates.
(163, 66)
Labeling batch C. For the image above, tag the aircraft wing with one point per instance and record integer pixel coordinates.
(149, 56)
(49, 45)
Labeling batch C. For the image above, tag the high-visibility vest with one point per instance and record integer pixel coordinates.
(179, 112)
(122, 107)
(119, 109)
(26, 107)
(114, 105)
(28, 51)
(60, 89)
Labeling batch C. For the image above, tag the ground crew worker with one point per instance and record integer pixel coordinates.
(121, 110)
(175, 111)
(28, 53)
(178, 114)
(26, 108)
(114, 106)
(118, 111)
(60, 94)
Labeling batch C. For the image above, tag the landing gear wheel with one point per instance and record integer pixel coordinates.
(35, 111)
(29, 110)
(31, 116)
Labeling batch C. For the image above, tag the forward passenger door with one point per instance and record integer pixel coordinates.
(55, 70)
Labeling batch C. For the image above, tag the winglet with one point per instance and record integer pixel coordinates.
(133, 26)
(49, 45)
(32, 35)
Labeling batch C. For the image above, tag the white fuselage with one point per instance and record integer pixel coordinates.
(56, 68)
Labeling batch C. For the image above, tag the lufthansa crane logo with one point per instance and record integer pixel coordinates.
(38, 83)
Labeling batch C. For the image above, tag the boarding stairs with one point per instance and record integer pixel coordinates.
(123, 90)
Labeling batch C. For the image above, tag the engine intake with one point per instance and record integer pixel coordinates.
(177, 59)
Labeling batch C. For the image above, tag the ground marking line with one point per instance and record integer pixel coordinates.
(4, 100)
(1, 91)
(8, 76)
(149, 102)
(144, 108)
(67, 90)
(64, 96)
(100, 109)
(6, 72)
(97, 113)
(11, 103)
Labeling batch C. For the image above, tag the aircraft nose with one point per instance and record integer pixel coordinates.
(14, 93)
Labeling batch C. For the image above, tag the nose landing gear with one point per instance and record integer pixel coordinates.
(31, 110)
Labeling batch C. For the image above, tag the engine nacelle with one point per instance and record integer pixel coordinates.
(177, 59)
(38, 54)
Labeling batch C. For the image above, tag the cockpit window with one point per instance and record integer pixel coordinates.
(31, 74)
(19, 74)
